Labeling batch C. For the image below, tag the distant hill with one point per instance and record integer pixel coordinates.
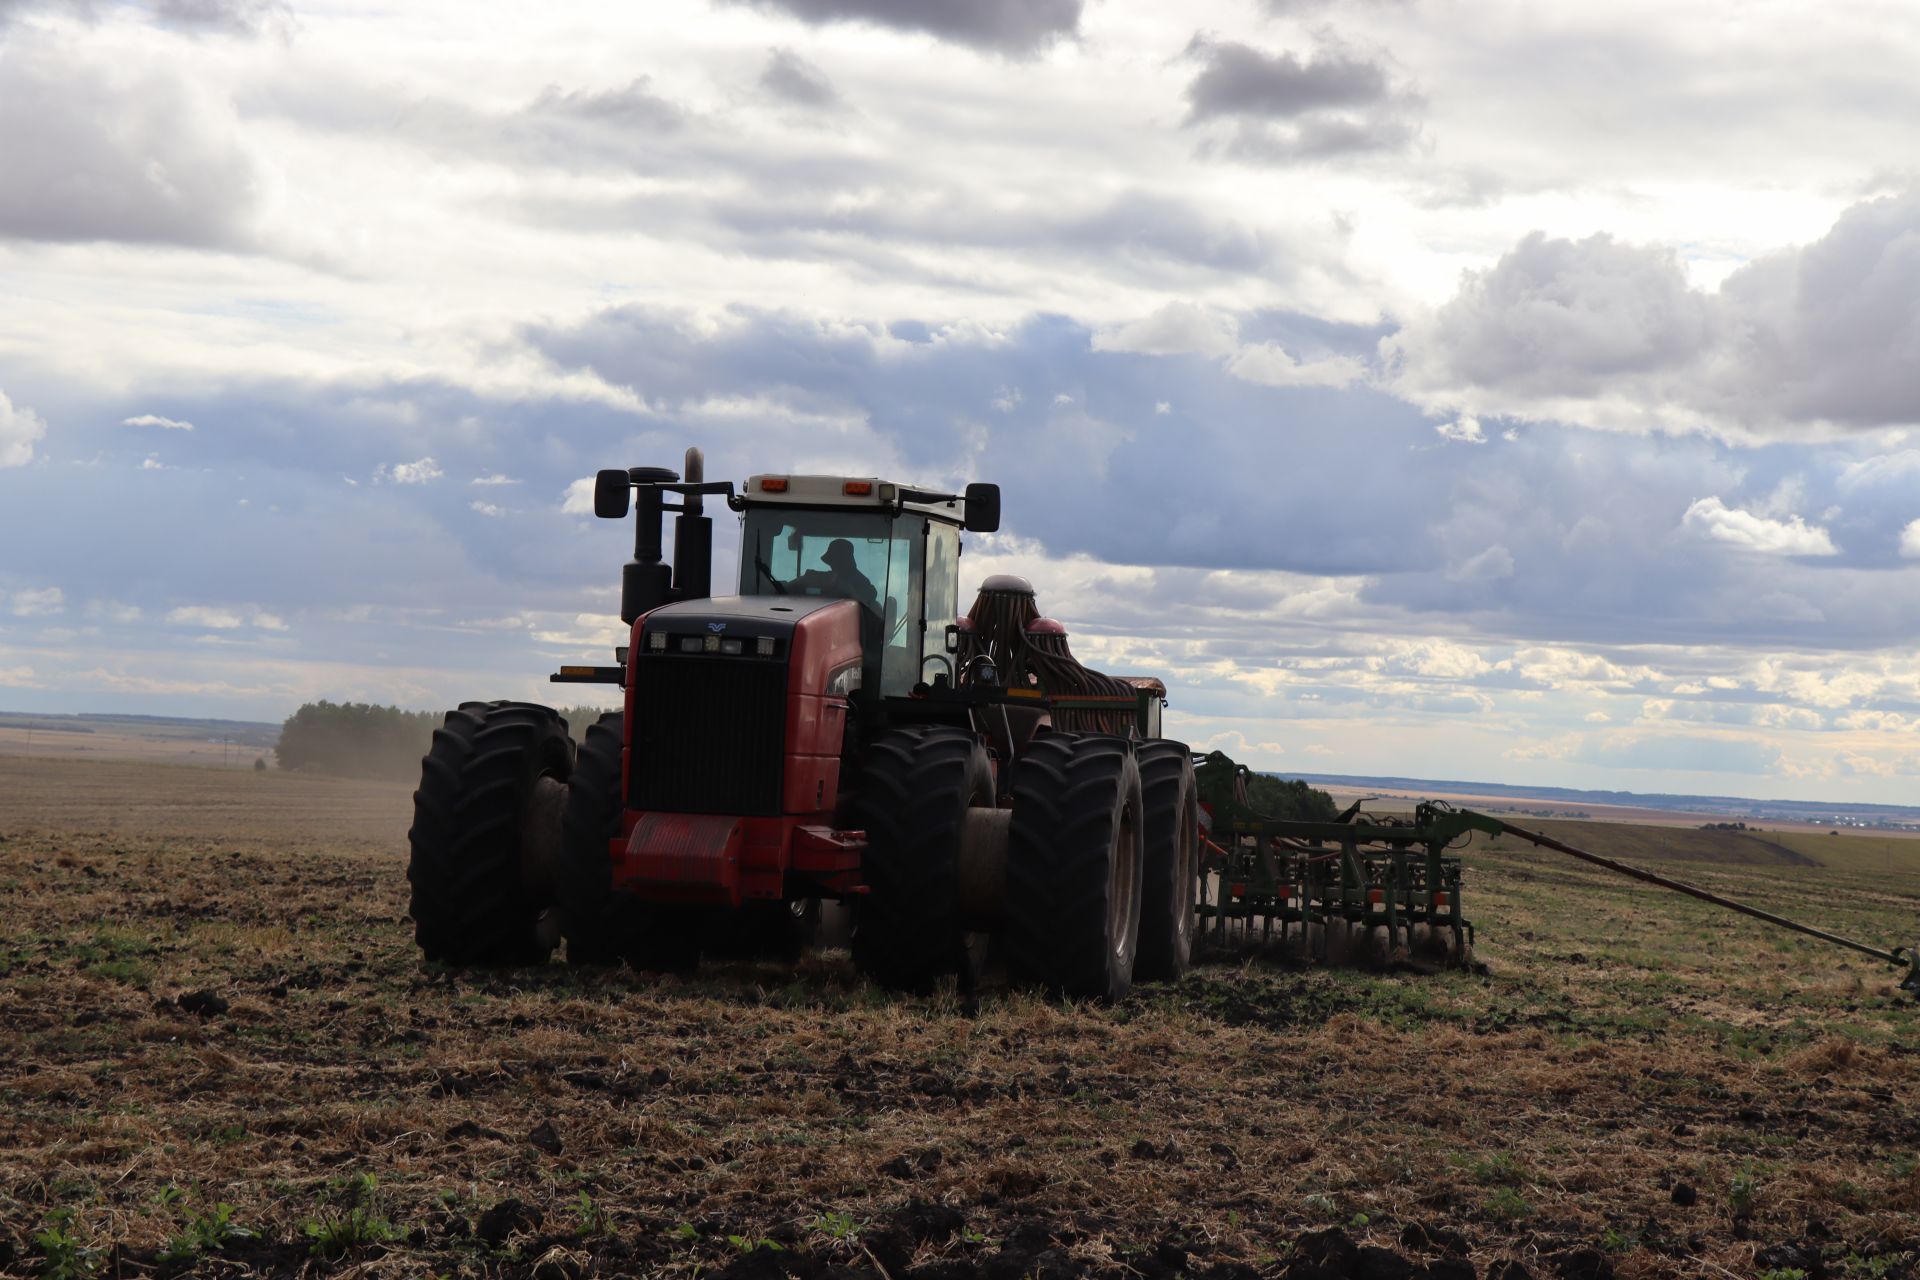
(1813, 811)
(248, 733)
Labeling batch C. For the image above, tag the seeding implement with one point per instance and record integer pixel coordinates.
(1389, 879)
(830, 732)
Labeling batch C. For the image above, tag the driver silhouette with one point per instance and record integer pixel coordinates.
(841, 577)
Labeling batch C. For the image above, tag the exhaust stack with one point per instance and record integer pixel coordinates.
(693, 538)
(646, 582)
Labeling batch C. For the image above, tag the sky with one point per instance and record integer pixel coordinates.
(1501, 391)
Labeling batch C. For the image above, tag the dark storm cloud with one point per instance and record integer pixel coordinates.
(1828, 333)
(789, 76)
(1283, 106)
(97, 153)
(1013, 28)
(227, 17)
(224, 17)
(1239, 80)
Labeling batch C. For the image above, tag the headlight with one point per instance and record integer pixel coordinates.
(843, 682)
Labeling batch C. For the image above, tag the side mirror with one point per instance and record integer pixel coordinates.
(612, 494)
(983, 507)
(953, 637)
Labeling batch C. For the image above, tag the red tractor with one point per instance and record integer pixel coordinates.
(831, 732)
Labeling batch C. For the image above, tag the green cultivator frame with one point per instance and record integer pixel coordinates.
(1371, 873)
(1393, 879)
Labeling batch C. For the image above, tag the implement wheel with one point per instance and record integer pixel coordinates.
(1074, 866)
(485, 829)
(1171, 832)
(914, 792)
(590, 916)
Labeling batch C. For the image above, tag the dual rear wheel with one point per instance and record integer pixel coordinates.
(1094, 863)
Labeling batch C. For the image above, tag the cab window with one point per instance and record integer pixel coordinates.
(855, 554)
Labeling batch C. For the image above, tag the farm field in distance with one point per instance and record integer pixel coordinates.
(225, 1057)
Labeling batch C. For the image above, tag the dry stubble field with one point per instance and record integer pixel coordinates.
(220, 1055)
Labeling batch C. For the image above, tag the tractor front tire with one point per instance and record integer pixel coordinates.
(584, 878)
(915, 788)
(1171, 828)
(484, 784)
(1074, 866)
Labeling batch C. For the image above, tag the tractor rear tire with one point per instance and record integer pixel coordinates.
(480, 784)
(584, 879)
(1074, 866)
(1171, 831)
(915, 788)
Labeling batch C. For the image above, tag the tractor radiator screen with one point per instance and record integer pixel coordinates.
(707, 734)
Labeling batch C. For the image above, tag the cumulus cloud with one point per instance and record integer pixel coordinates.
(790, 77)
(421, 471)
(1013, 28)
(1176, 329)
(1272, 365)
(1597, 331)
(1712, 518)
(115, 150)
(578, 499)
(487, 509)
(222, 618)
(39, 603)
(155, 420)
(1557, 320)
(492, 480)
(20, 429)
(1285, 106)
(1463, 430)
(1189, 329)
(1910, 541)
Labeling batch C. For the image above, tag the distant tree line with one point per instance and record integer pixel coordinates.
(361, 740)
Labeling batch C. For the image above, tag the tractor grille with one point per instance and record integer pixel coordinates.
(708, 734)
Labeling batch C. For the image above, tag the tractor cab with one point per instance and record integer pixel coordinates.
(893, 551)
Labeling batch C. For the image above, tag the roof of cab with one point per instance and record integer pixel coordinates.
(843, 491)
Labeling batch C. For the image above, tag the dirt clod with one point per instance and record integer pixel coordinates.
(545, 1137)
(936, 1223)
(1581, 1263)
(1376, 1263)
(1423, 1235)
(202, 1004)
(1792, 1257)
(1332, 1248)
(913, 1164)
(506, 1218)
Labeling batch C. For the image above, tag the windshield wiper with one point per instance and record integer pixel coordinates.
(779, 587)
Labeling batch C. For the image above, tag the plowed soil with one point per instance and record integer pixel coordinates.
(221, 1055)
